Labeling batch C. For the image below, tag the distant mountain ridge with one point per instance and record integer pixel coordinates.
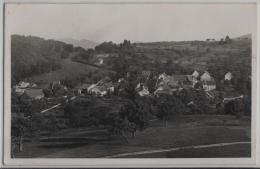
(84, 43)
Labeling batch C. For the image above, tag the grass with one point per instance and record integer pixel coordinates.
(79, 70)
(231, 151)
(192, 130)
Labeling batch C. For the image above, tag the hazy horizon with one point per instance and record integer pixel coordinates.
(134, 22)
(63, 39)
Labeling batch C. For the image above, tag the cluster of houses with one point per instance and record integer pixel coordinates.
(168, 84)
(165, 84)
(35, 92)
(101, 88)
(29, 89)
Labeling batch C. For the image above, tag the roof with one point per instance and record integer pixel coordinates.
(206, 77)
(82, 86)
(33, 93)
(23, 84)
(179, 77)
(195, 73)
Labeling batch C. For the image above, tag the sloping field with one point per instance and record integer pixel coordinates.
(69, 70)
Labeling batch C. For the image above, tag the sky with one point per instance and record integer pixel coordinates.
(135, 22)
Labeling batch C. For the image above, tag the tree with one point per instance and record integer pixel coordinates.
(134, 115)
(18, 127)
(107, 47)
(169, 107)
(221, 42)
(227, 39)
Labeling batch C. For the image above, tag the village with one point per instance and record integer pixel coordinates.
(86, 81)
(165, 84)
(121, 96)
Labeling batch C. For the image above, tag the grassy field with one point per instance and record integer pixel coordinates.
(70, 70)
(232, 151)
(189, 131)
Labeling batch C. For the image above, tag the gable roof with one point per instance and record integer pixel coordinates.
(195, 73)
(206, 77)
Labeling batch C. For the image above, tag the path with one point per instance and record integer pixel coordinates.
(176, 149)
(57, 105)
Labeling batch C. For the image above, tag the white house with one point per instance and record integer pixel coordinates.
(195, 74)
(205, 77)
(207, 81)
(228, 76)
(21, 87)
(100, 61)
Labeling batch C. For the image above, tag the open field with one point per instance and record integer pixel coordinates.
(192, 130)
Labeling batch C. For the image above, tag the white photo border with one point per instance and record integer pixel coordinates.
(254, 161)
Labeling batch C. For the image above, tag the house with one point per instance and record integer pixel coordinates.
(19, 91)
(98, 90)
(142, 89)
(99, 62)
(54, 83)
(228, 76)
(103, 87)
(205, 77)
(175, 82)
(195, 74)
(34, 93)
(82, 88)
(162, 78)
(207, 81)
(163, 89)
(22, 86)
(183, 81)
(209, 85)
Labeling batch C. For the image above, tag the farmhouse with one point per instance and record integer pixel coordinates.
(195, 74)
(103, 87)
(207, 81)
(22, 86)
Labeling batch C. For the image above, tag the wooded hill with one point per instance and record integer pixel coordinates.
(33, 55)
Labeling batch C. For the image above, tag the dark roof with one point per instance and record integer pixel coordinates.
(82, 86)
(33, 92)
(179, 77)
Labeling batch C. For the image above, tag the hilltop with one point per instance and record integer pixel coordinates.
(84, 43)
(42, 61)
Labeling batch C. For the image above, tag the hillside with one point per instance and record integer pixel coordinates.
(43, 61)
(72, 71)
(33, 55)
(200, 55)
(247, 36)
(84, 43)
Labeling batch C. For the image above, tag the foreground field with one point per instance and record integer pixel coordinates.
(189, 131)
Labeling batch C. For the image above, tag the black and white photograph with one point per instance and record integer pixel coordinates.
(130, 81)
